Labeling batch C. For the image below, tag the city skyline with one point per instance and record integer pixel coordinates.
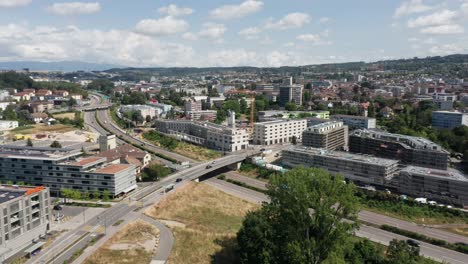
(229, 33)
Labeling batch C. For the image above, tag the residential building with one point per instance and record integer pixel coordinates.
(61, 93)
(145, 110)
(7, 125)
(4, 105)
(213, 136)
(4, 94)
(127, 154)
(215, 101)
(21, 96)
(359, 168)
(355, 122)
(410, 150)
(290, 93)
(449, 119)
(278, 131)
(165, 108)
(59, 168)
(444, 101)
(193, 106)
(26, 215)
(445, 186)
(39, 117)
(205, 115)
(331, 135)
(41, 106)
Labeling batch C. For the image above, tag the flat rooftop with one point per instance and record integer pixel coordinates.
(88, 161)
(351, 116)
(441, 174)
(449, 112)
(327, 124)
(280, 121)
(10, 192)
(346, 156)
(114, 168)
(44, 153)
(408, 141)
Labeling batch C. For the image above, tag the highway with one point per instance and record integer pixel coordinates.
(373, 218)
(374, 234)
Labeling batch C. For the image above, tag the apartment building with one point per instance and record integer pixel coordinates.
(271, 115)
(444, 101)
(290, 93)
(359, 168)
(193, 106)
(446, 186)
(145, 110)
(278, 131)
(65, 167)
(213, 136)
(410, 150)
(26, 215)
(331, 135)
(449, 119)
(356, 122)
(205, 115)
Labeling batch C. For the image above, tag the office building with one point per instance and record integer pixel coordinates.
(355, 122)
(331, 135)
(444, 101)
(271, 115)
(26, 215)
(445, 186)
(449, 119)
(410, 150)
(213, 136)
(359, 168)
(7, 125)
(290, 93)
(278, 131)
(59, 168)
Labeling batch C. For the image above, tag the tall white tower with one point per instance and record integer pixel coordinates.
(232, 119)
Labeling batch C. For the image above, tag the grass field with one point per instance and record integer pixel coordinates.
(208, 221)
(134, 243)
(41, 128)
(196, 152)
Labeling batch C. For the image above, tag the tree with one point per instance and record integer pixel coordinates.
(148, 118)
(155, 172)
(290, 106)
(366, 252)
(400, 251)
(303, 223)
(29, 142)
(96, 194)
(70, 194)
(56, 144)
(103, 85)
(106, 195)
(294, 140)
(243, 106)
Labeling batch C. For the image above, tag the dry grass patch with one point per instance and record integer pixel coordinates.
(211, 218)
(70, 115)
(196, 152)
(41, 128)
(134, 243)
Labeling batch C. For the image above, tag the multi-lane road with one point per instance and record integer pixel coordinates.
(372, 233)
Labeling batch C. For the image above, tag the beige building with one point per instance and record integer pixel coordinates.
(278, 131)
(330, 135)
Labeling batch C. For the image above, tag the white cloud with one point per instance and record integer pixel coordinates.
(309, 37)
(236, 11)
(411, 7)
(250, 32)
(444, 29)
(74, 8)
(212, 30)
(189, 36)
(324, 20)
(164, 26)
(291, 20)
(443, 17)
(315, 39)
(72, 43)
(464, 7)
(14, 3)
(173, 10)
(446, 49)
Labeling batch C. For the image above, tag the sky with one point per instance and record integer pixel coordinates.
(207, 33)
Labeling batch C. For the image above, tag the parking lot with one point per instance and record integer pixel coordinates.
(71, 216)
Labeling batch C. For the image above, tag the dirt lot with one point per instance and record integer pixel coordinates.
(204, 221)
(134, 243)
(70, 115)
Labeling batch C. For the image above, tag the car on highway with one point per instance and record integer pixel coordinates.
(209, 167)
(169, 188)
(178, 180)
(412, 242)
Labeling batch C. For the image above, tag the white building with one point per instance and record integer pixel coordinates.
(278, 131)
(448, 119)
(7, 125)
(354, 122)
(4, 105)
(144, 109)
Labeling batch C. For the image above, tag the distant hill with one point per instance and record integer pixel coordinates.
(64, 66)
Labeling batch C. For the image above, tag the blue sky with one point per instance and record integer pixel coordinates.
(230, 32)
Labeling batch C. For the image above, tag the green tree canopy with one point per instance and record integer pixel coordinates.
(303, 223)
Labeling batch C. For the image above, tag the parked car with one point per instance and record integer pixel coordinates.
(58, 207)
(412, 242)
